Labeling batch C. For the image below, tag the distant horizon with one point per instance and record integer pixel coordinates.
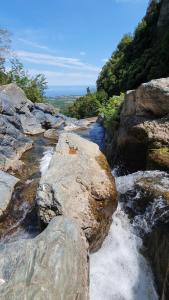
(68, 90)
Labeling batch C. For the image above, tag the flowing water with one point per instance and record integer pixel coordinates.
(118, 271)
(21, 219)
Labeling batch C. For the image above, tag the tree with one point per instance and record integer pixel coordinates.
(34, 87)
(4, 51)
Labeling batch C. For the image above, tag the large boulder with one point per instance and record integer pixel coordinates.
(7, 184)
(150, 98)
(30, 124)
(144, 125)
(16, 97)
(79, 185)
(51, 266)
(46, 108)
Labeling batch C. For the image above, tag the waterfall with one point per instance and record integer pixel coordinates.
(45, 160)
(118, 271)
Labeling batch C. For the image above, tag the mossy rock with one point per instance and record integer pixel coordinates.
(158, 159)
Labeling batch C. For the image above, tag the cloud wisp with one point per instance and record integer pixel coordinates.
(57, 61)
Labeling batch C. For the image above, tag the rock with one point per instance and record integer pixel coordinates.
(59, 122)
(12, 143)
(7, 184)
(30, 124)
(144, 125)
(51, 266)
(16, 97)
(79, 185)
(158, 159)
(158, 253)
(150, 98)
(154, 186)
(52, 134)
(46, 108)
(6, 108)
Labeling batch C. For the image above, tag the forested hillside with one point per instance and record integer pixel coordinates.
(139, 57)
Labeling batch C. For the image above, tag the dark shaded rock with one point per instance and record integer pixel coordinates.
(12, 143)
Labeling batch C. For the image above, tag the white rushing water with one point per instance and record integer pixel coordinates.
(45, 161)
(118, 271)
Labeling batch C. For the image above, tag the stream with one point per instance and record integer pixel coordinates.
(118, 271)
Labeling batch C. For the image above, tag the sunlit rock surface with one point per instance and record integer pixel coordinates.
(79, 185)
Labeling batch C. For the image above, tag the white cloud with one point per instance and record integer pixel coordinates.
(66, 78)
(58, 61)
(32, 44)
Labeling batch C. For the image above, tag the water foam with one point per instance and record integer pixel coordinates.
(118, 271)
(45, 161)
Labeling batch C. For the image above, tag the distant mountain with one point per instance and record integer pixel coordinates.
(53, 91)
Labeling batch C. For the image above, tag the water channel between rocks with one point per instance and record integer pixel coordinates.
(118, 271)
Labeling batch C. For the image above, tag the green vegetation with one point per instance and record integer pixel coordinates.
(139, 57)
(111, 111)
(85, 106)
(33, 87)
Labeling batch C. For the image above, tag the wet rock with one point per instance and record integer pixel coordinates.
(157, 247)
(52, 134)
(7, 184)
(154, 186)
(158, 159)
(81, 183)
(51, 266)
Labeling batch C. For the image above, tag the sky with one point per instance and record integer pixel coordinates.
(68, 40)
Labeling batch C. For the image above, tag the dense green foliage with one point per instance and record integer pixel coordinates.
(138, 58)
(33, 87)
(83, 107)
(111, 111)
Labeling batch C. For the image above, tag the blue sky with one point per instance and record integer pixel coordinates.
(68, 40)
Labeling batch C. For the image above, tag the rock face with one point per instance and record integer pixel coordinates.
(20, 117)
(12, 142)
(7, 184)
(155, 190)
(144, 124)
(79, 185)
(51, 266)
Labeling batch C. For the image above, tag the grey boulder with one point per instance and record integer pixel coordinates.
(7, 184)
(52, 266)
